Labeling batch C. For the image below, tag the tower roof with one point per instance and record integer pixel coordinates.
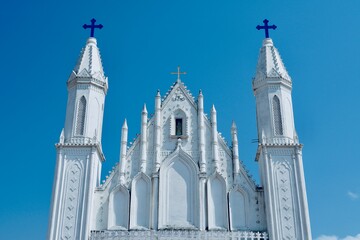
(270, 65)
(89, 63)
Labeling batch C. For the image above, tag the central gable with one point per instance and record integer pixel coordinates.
(179, 118)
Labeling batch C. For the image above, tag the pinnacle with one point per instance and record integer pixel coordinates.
(233, 125)
(125, 124)
(213, 108)
(144, 108)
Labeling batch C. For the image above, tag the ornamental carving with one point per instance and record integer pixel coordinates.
(71, 203)
(285, 201)
(178, 95)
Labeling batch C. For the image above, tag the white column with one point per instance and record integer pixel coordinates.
(143, 140)
(201, 132)
(155, 201)
(123, 149)
(155, 176)
(214, 135)
(235, 149)
(157, 132)
(202, 160)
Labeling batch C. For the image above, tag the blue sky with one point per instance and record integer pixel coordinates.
(217, 44)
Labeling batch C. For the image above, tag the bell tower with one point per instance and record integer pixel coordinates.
(79, 152)
(279, 152)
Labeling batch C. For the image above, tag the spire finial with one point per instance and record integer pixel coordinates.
(92, 27)
(178, 73)
(266, 27)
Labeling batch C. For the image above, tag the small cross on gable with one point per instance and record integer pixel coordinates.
(178, 73)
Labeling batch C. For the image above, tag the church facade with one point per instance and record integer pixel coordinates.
(178, 179)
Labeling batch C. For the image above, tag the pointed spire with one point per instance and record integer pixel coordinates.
(144, 109)
(213, 110)
(62, 137)
(158, 93)
(125, 126)
(123, 150)
(270, 64)
(235, 149)
(233, 126)
(89, 63)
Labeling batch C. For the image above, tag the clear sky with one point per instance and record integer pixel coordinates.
(217, 44)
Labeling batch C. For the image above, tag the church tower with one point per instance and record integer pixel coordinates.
(279, 152)
(79, 153)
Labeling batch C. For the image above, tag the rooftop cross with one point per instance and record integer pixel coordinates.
(178, 73)
(266, 27)
(92, 26)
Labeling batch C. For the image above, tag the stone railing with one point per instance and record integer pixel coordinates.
(177, 235)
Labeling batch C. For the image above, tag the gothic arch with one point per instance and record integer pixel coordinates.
(277, 117)
(80, 117)
(238, 209)
(118, 217)
(217, 203)
(140, 202)
(179, 192)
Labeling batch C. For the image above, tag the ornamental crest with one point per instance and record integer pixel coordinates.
(178, 96)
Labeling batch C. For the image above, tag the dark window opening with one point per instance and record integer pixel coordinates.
(178, 127)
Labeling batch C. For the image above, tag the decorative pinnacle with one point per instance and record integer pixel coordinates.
(233, 125)
(158, 93)
(266, 27)
(213, 108)
(92, 27)
(144, 108)
(125, 124)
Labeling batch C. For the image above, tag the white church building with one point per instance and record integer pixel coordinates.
(179, 179)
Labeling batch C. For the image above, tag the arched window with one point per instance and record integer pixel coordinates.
(278, 127)
(80, 118)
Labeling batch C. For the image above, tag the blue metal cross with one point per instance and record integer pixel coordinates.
(266, 27)
(92, 27)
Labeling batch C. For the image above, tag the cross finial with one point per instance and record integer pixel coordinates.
(266, 27)
(178, 73)
(92, 27)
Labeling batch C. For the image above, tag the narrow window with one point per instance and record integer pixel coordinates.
(80, 118)
(178, 127)
(277, 116)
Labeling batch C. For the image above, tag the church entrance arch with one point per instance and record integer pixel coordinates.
(179, 192)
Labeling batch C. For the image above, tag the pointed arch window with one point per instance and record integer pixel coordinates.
(80, 118)
(278, 127)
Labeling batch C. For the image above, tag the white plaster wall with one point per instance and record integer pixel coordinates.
(178, 192)
(140, 202)
(118, 216)
(217, 203)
